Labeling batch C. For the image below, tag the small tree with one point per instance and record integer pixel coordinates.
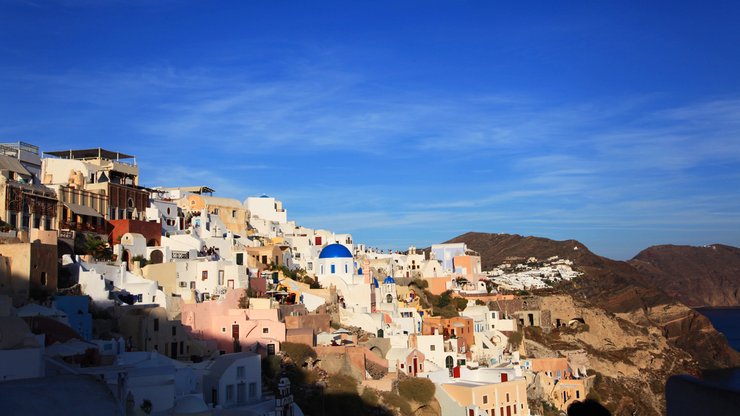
(86, 244)
(420, 390)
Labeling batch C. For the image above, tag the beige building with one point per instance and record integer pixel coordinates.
(80, 210)
(149, 329)
(465, 398)
(230, 211)
(113, 175)
(26, 269)
(266, 255)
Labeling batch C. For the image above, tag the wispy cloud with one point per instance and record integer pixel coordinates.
(381, 162)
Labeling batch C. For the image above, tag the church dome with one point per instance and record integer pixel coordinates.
(389, 280)
(333, 251)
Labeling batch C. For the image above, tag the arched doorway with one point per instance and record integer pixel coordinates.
(156, 257)
(125, 258)
(449, 362)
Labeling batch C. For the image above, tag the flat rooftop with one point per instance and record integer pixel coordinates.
(90, 154)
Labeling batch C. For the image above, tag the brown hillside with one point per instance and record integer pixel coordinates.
(697, 276)
(617, 287)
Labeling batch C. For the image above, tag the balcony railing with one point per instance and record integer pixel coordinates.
(82, 227)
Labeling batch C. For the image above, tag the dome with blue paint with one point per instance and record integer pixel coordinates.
(389, 281)
(375, 282)
(333, 251)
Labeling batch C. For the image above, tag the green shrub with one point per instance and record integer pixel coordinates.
(460, 303)
(420, 390)
(395, 401)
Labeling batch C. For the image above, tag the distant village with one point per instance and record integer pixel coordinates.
(168, 300)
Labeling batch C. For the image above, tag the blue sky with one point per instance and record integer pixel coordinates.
(404, 122)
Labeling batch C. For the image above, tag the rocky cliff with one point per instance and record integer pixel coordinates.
(696, 276)
(643, 333)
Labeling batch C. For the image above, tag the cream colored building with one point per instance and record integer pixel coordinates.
(112, 174)
(27, 267)
(231, 212)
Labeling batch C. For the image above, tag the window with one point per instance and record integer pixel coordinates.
(309, 266)
(233, 214)
(265, 330)
(215, 211)
(578, 394)
(183, 284)
(240, 259)
(229, 393)
(43, 278)
(204, 275)
(174, 331)
(333, 269)
(507, 397)
(156, 324)
(252, 390)
(346, 268)
(220, 277)
(192, 285)
(432, 347)
(485, 399)
(240, 372)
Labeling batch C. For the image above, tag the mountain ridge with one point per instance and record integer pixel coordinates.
(699, 276)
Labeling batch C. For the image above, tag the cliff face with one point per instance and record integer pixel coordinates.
(661, 335)
(696, 276)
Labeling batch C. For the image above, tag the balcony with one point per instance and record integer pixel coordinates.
(82, 227)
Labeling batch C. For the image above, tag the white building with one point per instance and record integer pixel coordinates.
(165, 213)
(445, 253)
(266, 208)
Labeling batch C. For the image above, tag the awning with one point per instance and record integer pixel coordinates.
(82, 210)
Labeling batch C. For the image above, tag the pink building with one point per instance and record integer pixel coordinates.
(232, 328)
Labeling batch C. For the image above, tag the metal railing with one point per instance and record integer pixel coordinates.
(74, 226)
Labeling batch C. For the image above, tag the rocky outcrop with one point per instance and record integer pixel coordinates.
(631, 362)
(639, 334)
(696, 276)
